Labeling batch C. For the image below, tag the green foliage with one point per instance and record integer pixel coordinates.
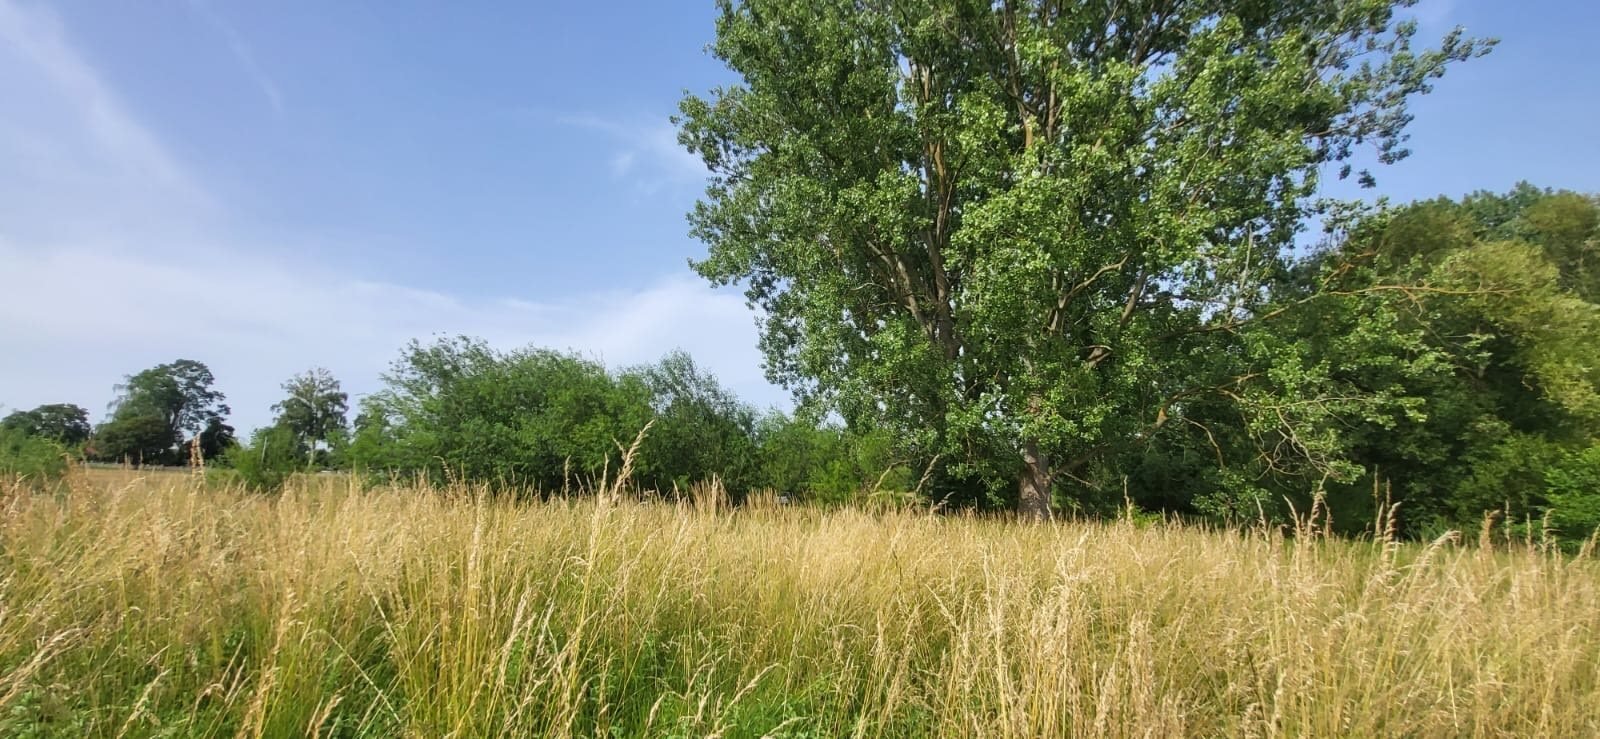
(34, 459)
(135, 438)
(63, 423)
(314, 409)
(530, 418)
(1509, 391)
(1572, 487)
(273, 455)
(216, 439)
(179, 395)
(826, 463)
(701, 429)
(548, 421)
(1027, 238)
(180, 392)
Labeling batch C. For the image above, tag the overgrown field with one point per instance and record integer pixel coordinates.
(155, 606)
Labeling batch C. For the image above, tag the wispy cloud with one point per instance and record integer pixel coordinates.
(644, 152)
(241, 51)
(35, 37)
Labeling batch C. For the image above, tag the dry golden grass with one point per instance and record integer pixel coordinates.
(136, 605)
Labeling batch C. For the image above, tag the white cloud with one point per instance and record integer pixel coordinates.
(647, 153)
(77, 319)
(113, 258)
(73, 159)
(36, 37)
(241, 51)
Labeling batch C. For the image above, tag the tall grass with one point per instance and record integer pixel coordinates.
(156, 606)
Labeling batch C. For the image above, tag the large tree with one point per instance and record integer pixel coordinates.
(179, 393)
(136, 439)
(314, 409)
(1027, 234)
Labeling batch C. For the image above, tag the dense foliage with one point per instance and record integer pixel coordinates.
(29, 458)
(1508, 415)
(530, 418)
(1027, 236)
(63, 423)
(545, 421)
(158, 410)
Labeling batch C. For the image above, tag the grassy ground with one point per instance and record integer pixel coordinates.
(150, 605)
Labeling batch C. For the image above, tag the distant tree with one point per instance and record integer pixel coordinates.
(315, 408)
(216, 439)
(273, 455)
(139, 439)
(179, 393)
(1028, 236)
(63, 423)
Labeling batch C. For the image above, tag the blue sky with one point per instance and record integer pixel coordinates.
(268, 186)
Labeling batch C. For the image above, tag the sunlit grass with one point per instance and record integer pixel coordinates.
(152, 605)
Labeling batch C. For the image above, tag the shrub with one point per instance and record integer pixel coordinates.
(1573, 489)
(823, 463)
(274, 454)
(31, 458)
(532, 418)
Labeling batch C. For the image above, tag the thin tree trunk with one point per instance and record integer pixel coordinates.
(1033, 501)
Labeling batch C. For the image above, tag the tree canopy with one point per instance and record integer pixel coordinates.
(1027, 235)
(160, 408)
(1509, 415)
(545, 421)
(533, 418)
(315, 407)
(180, 393)
(139, 439)
(63, 423)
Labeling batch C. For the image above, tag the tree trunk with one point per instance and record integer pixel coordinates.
(1033, 502)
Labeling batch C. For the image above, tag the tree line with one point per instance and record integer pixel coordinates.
(532, 421)
(1046, 256)
(1469, 389)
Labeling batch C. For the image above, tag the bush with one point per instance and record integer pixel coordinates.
(1573, 489)
(828, 464)
(33, 459)
(274, 454)
(701, 430)
(532, 418)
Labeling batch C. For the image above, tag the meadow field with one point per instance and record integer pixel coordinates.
(149, 604)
